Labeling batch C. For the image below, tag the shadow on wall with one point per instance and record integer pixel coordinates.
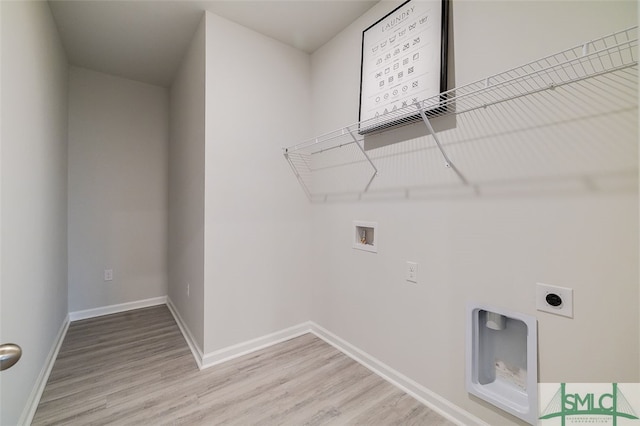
(572, 139)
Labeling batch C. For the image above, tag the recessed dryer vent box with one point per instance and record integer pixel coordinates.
(365, 236)
(502, 360)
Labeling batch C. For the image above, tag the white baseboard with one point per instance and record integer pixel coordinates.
(244, 348)
(191, 342)
(36, 393)
(432, 400)
(114, 309)
(226, 354)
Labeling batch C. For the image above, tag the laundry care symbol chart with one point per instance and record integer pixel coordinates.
(401, 61)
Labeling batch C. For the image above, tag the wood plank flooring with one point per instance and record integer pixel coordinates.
(134, 368)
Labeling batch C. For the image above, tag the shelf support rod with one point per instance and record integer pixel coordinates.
(447, 162)
(375, 169)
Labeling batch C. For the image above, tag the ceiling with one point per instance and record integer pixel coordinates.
(145, 40)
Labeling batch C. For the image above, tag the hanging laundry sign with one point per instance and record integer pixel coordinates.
(411, 41)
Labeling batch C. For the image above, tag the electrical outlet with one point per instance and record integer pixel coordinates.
(412, 272)
(108, 274)
(554, 299)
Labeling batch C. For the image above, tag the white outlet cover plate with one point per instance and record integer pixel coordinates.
(566, 294)
(412, 272)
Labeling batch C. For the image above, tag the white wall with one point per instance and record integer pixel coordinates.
(118, 186)
(257, 245)
(186, 187)
(34, 194)
(490, 249)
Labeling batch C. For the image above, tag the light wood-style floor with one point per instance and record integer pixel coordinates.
(135, 368)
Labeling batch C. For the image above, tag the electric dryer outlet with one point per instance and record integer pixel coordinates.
(554, 299)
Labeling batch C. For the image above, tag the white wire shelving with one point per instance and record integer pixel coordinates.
(601, 72)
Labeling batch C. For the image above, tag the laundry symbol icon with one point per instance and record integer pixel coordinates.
(386, 111)
(377, 98)
(388, 56)
(406, 46)
(395, 92)
(374, 49)
(416, 56)
(404, 104)
(416, 41)
(414, 84)
(392, 39)
(386, 70)
(412, 26)
(379, 61)
(405, 61)
(395, 52)
(414, 100)
(391, 79)
(383, 44)
(423, 20)
(410, 70)
(386, 96)
(378, 74)
(394, 108)
(404, 88)
(402, 32)
(381, 83)
(396, 66)
(400, 74)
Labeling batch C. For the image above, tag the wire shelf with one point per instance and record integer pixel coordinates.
(601, 72)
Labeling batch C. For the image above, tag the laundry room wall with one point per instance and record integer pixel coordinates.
(257, 235)
(118, 180)
(532, 221)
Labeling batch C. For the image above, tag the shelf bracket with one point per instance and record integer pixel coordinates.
(295, 172)
(447, 162)
(375, 169)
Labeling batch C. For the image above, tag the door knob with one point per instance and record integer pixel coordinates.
(10, 353)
